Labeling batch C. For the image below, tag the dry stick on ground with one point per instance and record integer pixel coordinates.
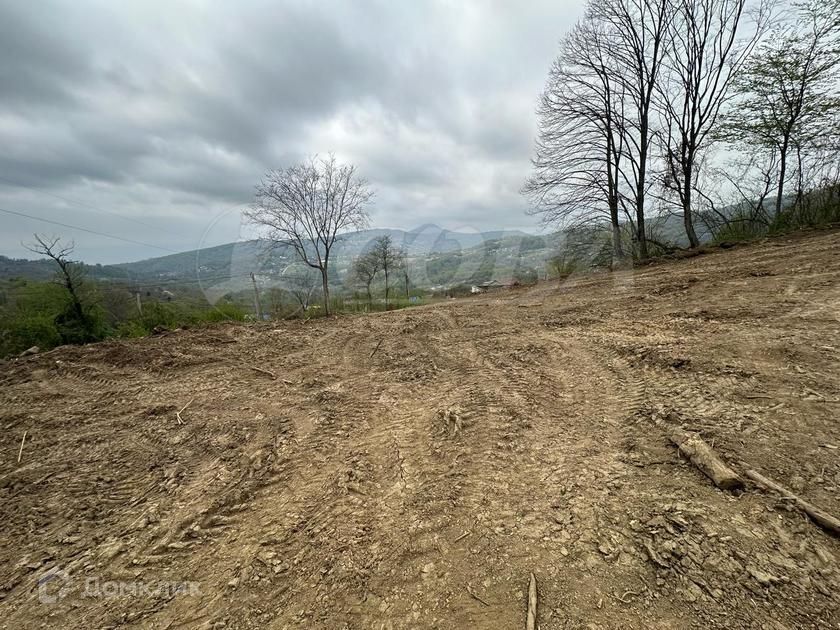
(262, 371)
(375, 349)
(178, 413)
(531, 620)
(475, 597)
(703, 456)
(20, 452)
(823, 519)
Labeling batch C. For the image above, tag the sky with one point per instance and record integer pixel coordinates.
(153, 121)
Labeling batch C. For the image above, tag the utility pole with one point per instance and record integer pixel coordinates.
(257, 304)
(139, 303)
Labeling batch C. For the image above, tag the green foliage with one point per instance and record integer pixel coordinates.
(818, 208)
(742, 227)
(561, 266)
(527, 275)
(158, 315)
(40, 314)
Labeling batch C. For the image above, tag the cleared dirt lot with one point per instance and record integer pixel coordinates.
(410, 469)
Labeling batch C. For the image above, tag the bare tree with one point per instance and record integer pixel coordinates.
(365, 268)
(737, 195)
(301, 282)
(403, 268)
(77, 323)
(579, 148)
(638, 36)
(706, 50)
(308, 206)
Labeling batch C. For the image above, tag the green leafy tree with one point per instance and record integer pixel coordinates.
(789, 91)
(389, 258)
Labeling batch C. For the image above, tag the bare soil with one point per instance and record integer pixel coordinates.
(411, 469)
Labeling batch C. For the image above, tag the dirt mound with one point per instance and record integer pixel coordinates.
(411, 469)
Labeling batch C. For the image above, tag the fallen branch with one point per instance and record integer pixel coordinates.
(221, 339)
(375, 349)
(262, 371)
(475, 597)
(20, 452)
(531, 620)
(178, 413)
(461, 537)
(823, 519)
(704, 457)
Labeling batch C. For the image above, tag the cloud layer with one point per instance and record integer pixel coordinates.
(154, 120)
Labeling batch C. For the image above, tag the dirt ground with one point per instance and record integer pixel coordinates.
(411, 469)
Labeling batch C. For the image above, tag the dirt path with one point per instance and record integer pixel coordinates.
(410, 469)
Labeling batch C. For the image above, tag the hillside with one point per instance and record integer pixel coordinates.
(44, 269)
(457, 255)
(411, 469)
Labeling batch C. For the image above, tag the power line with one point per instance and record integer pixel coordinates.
(76, 227)
(80, 203)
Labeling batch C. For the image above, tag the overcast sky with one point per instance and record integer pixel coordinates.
(153, 121)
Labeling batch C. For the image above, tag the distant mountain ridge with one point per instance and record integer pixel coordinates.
(228, 267)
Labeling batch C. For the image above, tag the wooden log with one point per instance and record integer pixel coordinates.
(823, 519)
(531, 620)
(701, 455)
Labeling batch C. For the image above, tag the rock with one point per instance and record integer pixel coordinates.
(30, 351)
(797, 483)
(762, 577)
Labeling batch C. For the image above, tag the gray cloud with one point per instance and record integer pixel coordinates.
(167, 113)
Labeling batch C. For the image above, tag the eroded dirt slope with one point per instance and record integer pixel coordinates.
(410, 469)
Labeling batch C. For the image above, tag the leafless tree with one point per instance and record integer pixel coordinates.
(639, 31)
(308, 206)
(737, 194)
(708, 44)
(580, 147)
(301, 282)
(76, 324)
(70, 274)
(404, 271)
(365, 268)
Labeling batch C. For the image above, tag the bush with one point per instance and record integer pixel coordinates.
(172, 315)
(25, 331)
(818, 208)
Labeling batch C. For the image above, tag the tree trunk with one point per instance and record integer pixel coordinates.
(641, 234)
(612, 194)
(688, 219)
(326, 285)
(618, 250)
(780, 191)
(386, 288)
(640, 229)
